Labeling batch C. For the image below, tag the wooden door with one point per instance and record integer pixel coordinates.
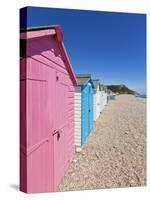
(37, 122)
(60, 135)
(39, 139)
(90, 104)
(84, 114)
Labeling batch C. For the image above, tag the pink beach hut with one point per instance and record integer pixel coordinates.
(47, 85)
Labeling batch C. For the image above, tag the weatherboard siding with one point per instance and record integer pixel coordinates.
(96, 104)
(101, 100)
(105, 98)
(78, 116)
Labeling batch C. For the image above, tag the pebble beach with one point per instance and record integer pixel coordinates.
(114, 155)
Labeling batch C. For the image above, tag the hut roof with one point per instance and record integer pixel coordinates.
(82, 78)
(37, 28)
(50, 30)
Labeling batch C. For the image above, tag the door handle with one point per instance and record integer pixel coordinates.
(55, 132)
(58, 134)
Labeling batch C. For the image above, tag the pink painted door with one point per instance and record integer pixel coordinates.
(40, 123)
(61, 127)
(48, 157)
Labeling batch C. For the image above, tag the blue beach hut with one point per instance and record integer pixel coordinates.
(84, 105)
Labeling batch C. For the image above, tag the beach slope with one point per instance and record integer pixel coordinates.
(115, 153)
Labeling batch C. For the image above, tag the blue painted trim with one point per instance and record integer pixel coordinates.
(87, 106)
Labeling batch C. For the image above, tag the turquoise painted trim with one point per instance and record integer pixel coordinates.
(91, 107)
(87, 107)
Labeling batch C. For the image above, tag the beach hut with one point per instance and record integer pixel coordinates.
(47, 90)
(102, 97)
(96, 99)
(83, 108)
(105, 95)
(108, 95)
(112, 96)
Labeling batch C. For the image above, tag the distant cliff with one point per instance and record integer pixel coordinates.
(121, 89)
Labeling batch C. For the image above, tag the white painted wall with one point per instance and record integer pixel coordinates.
(101, 100)
(97, 104)
(78, 116)
(105, 98)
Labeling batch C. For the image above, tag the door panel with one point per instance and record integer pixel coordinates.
(90, 103)
(61, 128)
(40, 126)
(85, 114)
(38, 148)
(36, 110)
(89, 108)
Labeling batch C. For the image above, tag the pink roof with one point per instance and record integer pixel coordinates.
(51, 30)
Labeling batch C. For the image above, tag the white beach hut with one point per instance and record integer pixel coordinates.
(110, 95)
(97, 99)
(103, 97)
(101, 92)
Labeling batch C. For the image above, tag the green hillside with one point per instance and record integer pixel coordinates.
(121, 89)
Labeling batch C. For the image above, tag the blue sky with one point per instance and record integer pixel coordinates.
(111, 46)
